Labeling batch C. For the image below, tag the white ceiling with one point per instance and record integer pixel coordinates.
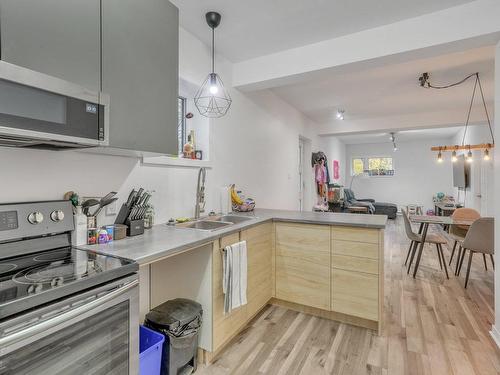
(393, 90)
(401, 136)
(252, 28)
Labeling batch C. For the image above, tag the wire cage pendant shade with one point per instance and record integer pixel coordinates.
(212, 99)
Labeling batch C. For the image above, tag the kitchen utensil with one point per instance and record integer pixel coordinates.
(87, 204)
(130, 198)
(138, 197)
(103, 204)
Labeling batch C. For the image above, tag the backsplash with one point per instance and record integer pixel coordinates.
(29, 175)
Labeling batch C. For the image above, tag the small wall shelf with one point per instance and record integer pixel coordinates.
(168, 161)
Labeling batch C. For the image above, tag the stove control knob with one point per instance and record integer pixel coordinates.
(35, 218)
(57, 216)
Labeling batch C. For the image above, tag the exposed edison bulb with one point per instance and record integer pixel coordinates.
(214, 89)
(440, 157)
(486, 156)
(469, 157)
(454, 157)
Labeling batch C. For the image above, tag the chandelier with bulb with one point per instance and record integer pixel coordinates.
(484, 147)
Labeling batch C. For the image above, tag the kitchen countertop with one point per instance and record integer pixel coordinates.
(164, 241)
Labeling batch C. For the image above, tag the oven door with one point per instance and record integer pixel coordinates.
(93, 333)
(36, 106)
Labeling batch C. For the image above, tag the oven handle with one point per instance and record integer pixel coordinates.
(53, 322)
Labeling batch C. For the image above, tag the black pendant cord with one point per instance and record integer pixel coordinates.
(428, 85)
(470, 109)
(213, 50)
(485, 109)
(424, 82)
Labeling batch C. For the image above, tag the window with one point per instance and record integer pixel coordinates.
(357, 166)
(373, 166)
(380, 167)
(181, 123)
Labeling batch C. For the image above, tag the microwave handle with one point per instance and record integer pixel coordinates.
(47, 325)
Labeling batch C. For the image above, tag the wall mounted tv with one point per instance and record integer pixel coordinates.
(461, 173)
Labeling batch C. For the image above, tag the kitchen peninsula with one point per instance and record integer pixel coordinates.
(325, 264)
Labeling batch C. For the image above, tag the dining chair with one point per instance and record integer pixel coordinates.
(416, 239)
(479, 239)
(458, 232)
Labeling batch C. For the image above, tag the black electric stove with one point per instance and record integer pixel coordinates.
(37, 263)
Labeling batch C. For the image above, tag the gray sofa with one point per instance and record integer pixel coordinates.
(377, 208)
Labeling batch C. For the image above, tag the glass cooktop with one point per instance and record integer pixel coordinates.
(30, 280)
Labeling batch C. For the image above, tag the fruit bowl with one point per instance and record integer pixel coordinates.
(245, 207)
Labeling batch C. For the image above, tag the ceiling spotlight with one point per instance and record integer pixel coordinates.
(340, 114)
(440, 157)
(393, 140)
(486, 156)
(454, 156)
(469, 156)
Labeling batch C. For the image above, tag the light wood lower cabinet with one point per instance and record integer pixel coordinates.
(259, 284)
(303, 264)
(355, 293)
(357, 272)
(259, 253)
(224, 325)
(336, 272)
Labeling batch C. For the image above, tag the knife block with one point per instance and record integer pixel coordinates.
(135, 227)
(122, 214)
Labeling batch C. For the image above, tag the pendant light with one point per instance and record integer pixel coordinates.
(440, 157)
(212, 99)
(486, 156)
(469, 158)
(454, 156)
(424, 81)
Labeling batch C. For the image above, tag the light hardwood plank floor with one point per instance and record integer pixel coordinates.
(432, 326)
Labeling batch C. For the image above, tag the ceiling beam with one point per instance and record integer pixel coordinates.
(454, 29)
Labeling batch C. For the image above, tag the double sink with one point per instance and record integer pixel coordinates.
(214, 223)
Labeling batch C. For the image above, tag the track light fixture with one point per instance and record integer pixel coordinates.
(393, 140)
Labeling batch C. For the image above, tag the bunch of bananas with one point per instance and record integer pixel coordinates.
(235, 198)
(239, 204)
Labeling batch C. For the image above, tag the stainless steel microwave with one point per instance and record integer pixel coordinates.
(41, 111)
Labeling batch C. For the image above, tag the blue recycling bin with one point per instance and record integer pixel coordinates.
(150, 351)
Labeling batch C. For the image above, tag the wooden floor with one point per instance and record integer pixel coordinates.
(432, 326)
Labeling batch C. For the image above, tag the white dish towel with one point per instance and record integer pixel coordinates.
(234, 276)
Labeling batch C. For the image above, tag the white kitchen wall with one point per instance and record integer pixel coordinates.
(417, 175)
(254, 146)
(479, 195)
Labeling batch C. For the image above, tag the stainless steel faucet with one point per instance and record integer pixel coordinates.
(200, 193)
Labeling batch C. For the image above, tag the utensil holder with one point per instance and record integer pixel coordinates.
(135, 227)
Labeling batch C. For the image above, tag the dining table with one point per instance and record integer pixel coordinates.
(425, 221)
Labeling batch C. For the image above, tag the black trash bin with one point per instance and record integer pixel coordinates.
(179, 320)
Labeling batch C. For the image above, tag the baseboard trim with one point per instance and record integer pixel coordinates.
(326, 314)
(495, 334)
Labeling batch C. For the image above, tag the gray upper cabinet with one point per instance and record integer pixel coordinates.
(56, 37)
(140, 72)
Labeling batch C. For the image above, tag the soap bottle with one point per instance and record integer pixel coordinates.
(79, 235)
